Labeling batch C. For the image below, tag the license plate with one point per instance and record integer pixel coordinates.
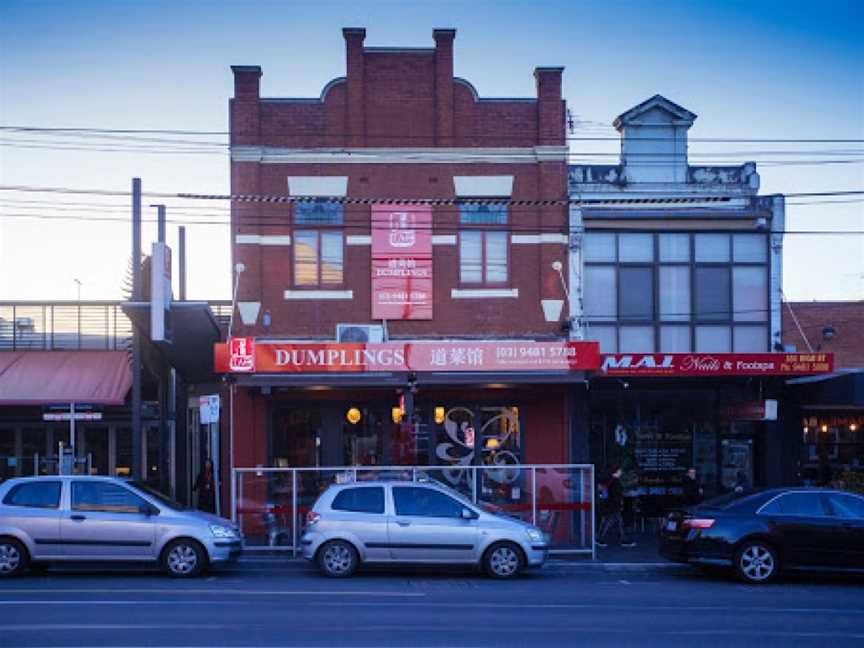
(671, 525)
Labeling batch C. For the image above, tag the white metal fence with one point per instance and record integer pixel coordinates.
(270, 504)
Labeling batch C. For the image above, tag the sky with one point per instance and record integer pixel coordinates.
(767, 69)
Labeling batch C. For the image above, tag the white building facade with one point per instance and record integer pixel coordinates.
(672, 258)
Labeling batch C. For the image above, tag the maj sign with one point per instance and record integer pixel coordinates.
(716, 364)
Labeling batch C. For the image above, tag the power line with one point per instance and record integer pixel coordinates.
(135, 131)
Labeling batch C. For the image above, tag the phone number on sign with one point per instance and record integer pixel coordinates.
(517, 353)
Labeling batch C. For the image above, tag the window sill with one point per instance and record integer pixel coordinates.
(293, 295)
(484, 293)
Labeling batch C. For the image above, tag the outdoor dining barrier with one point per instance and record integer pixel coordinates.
(270, 504)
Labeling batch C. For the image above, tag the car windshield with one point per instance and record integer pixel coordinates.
(162, 499)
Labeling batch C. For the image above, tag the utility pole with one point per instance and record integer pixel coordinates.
(136, 336)
(182, 262)
(164, 384)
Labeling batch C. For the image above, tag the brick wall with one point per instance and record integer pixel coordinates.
(847, 319)
(400, 99)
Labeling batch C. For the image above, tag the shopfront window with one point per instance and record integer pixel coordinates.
(8, 458)
(713, 287)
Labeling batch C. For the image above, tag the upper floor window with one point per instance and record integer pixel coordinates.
(318, 253)
(677, 291)
(483, 248)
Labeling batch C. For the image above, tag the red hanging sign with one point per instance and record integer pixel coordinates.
(402, 262)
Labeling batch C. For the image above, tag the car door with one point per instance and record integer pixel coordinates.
(807, 533)
(427, 526)
(848, 509)
(107, 521)
(359, 512)
(34, 508)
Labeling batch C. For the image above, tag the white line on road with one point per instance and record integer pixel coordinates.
(493, 606)
(218, 592)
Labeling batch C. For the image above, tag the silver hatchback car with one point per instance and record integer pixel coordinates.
(70, 518)
(415, 522)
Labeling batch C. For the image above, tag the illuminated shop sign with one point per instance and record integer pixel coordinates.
(716, 364)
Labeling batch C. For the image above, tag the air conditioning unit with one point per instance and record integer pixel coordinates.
(365, 333)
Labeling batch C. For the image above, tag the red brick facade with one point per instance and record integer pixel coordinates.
(846, 318)
(402, 99)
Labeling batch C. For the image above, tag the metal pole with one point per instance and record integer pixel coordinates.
(182, 264)
(294, 511)
(534, 495)
(234, 496)
(136, 336)
(72, 429)
(593, 518)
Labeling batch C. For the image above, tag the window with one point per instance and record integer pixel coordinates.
(636, 297)
(703, 292)
(674, 293)
(712, 293)
(318, 258)
(425, 502)
(750, 293)
(483, 252)
(800, 504)
(104, 497)
(847, 506)
(599, 293)
(42, 494)
(360, 500)
(318, 253)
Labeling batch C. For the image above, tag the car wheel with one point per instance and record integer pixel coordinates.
(503, 560)
(184, 559)
(338, 559)
(13, 557)
(757, 562)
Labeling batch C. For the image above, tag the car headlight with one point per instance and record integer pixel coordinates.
(220, 531)
(535, 535)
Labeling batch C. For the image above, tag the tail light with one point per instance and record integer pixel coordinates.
(312, 517)
(698, 523)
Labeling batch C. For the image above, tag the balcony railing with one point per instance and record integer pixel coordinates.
(71, 325)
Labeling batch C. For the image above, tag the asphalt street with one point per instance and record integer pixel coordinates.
(274, 602)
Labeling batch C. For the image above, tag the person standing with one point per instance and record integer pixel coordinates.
(613, 511)
(206, 487)
(692, 490)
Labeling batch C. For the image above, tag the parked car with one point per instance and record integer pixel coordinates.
(410, 522)
(761, 534)
(70, 518)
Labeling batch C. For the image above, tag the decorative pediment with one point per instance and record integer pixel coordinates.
(656, 111)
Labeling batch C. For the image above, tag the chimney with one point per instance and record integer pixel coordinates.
(354, 70)
(550, 106)
(444, 85)
(245, 118)
(247, 82)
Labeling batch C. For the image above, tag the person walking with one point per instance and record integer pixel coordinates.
(613, 511)
(692, 489)
(206, 487)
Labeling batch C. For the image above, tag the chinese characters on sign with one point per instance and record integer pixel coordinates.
(401, 262)
(247, 356)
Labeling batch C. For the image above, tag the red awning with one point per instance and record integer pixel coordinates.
(62, 377)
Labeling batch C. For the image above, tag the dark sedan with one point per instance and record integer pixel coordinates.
(763, 533)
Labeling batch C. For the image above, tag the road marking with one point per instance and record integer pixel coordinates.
(216, 592)
(435, 604)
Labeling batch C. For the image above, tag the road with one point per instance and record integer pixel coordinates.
(272, 602)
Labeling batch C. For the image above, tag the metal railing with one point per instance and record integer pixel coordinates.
(72, 325)
(269, 505)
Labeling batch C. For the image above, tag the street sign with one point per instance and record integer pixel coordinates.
(69, 416)
(160, 292)
(208, 407)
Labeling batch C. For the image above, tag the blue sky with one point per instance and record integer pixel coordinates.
(748, 69)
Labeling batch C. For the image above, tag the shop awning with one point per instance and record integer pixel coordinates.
(63, 377)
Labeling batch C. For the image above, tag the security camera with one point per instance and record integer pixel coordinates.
(240, 267)
(556, 265)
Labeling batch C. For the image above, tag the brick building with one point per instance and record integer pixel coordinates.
(400, 125)
(831, 326)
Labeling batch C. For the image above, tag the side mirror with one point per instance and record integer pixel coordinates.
(468, 514)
